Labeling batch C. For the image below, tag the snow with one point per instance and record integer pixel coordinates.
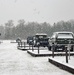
(42, 50)
(62, 59)
(18, 62)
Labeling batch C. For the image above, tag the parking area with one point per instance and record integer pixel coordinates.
(18, 62)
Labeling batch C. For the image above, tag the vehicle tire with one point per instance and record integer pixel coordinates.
(63, 48)
(71, 48)
(49, 48)
(55, 48)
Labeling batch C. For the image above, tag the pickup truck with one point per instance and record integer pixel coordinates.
(41, 39)
(61, 39)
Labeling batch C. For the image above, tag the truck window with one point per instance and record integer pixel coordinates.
(65, 35)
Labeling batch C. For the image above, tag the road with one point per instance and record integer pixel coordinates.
(18, 62)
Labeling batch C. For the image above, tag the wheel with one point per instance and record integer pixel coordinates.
(49, 48)
(71, 48)
(63, 48)
(55, 48)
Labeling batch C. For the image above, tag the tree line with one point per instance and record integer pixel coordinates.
(11, 31)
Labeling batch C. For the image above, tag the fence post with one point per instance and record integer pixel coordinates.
(53, 49)
(24, 44)
(21, 44)
(32, 48)
(66, 54)
(38, 49)
(29, 46)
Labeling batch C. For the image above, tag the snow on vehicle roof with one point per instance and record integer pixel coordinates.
(41, 34)
(64, 32)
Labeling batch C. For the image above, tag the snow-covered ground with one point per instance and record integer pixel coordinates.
(18, 62)
(62, 59)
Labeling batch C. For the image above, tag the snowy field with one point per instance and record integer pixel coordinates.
(18, 62)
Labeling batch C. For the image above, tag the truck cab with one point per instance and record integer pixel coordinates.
(41, 39)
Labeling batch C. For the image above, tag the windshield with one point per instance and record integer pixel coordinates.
(65, 35)
(41, 36)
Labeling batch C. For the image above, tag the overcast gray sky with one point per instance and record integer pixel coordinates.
(36, 10)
